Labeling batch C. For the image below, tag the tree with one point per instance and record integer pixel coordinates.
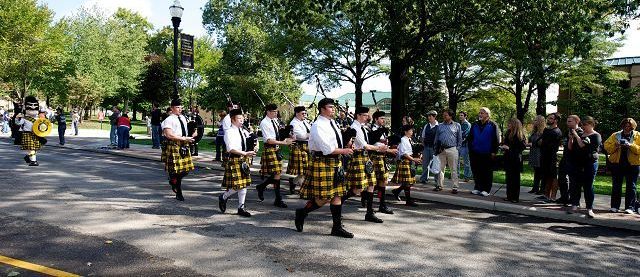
(30, 46)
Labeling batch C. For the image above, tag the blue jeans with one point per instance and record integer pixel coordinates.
(5, 127)
(427, 155)
(630, 174)
(74, 125)
(464, 156)
(113, 136)
(123, 137)
(582, 178)
(156, 131)
(61, 130)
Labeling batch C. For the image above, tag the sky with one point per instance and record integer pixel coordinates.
(157, 12)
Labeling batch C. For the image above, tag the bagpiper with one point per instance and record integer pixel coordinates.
(380, 167)
(271, 159)
(404, 176)
(176, 155)
(299, 154)
(360, 172)
(32, 130)
(237, 176)
(324, 178)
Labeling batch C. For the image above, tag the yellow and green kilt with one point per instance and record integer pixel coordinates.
(318, 181)
(298, 159)
(269, 163)
(173, 161)
(233, 176)
(379, 167)
(356, 177)
(403, 173)
(30, 142)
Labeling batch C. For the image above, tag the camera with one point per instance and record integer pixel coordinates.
(624, 142)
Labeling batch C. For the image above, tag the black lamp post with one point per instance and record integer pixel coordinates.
(176, 14)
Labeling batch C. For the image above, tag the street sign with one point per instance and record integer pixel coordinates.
(186, 48)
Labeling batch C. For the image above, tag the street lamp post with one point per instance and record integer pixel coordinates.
(176, 15)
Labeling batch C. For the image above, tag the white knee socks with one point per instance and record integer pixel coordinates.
(242, 194)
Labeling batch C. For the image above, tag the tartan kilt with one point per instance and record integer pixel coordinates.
(298, 159)
(379, 166)
(174, 163)
(233, 176)
(403, 173)
(30, 142)
(355, 175)
(269, 163)
(318, 181)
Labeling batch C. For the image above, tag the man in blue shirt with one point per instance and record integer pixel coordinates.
(448, 140)
(483, 141)
(464, 148)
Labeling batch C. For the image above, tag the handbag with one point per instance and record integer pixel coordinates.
(434, 165)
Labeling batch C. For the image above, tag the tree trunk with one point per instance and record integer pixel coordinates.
(520, 110)
(135, 113)
(358, 85)
(399, 91)
(541, 105)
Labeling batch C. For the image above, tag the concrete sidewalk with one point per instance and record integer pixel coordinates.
(98, 141)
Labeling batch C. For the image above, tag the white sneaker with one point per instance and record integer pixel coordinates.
(484, 193)
(590, 214)
(475, 191)
(629, 211)
(613, 210)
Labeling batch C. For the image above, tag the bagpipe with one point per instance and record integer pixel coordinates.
(251, 141)
(195, 123)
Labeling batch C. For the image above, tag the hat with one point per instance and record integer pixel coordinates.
(299, 109)
(235, 112)
(176, 102)
(270, 107)
(432, 112)
(378, 114)
(361, 110)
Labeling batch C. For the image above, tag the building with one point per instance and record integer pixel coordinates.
(374, 100)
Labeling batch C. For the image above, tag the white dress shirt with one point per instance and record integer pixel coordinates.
(172, 122)
(233, 139)
(404, 148)
(359, 141)
(267, 126)
(300, 128)
(323, 137)
(226, 122)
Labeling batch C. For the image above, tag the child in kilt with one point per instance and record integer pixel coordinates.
(405, 160)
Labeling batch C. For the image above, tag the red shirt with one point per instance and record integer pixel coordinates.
(124, 121)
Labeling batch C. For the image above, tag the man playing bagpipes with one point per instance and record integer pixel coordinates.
(360, 171)
(32, 130)
(324, 178)
(237, 176)
(378, 136)
(299, 154)
(405, 170)
(271, 159)
(176, 154)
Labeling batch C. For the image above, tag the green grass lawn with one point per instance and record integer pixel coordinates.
(137, 127)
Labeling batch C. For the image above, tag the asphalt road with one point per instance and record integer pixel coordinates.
(104, 215)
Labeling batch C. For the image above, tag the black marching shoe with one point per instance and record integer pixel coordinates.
(299, 221)
(280, 204)
(222, 203)
(26, 159)
(384, 209)
(34, 163)
(243, 212)
(341, 232)
(371, 217)
(396, 194)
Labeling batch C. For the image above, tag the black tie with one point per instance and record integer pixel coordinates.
(275, 129)
(242, 139)
(184, 131)
(335, 130)
(305, 126)
(366, 138)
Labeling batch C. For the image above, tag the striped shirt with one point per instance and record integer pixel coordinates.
(448, 135)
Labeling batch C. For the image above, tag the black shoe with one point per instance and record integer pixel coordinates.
(341, 232)
(532, 191)
(385, 210)
(179, 197)
(34, 163)
(411, 203)
(260, 188)
(26, 159)
(299, 221)
(396, 194)
(280, 204)
(222, 203)
(371, 217)
(454, 191)
(243, 212)
(437, 189)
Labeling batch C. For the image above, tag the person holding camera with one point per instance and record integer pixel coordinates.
(584, 165)
(176, 154)
(624, 155)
